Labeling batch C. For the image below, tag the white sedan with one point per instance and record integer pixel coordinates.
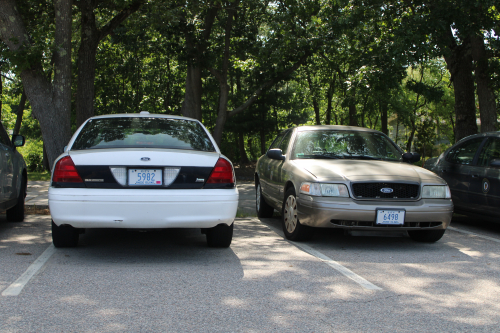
(142, 171)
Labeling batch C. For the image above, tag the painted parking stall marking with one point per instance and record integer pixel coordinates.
(474, 234)
(330, 262)
(15, 288)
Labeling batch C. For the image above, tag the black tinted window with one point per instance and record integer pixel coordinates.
(464, 153)
(142, 132)
(490, 152)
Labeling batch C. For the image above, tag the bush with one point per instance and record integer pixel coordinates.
(32, 152)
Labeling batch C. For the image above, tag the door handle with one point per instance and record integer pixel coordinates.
(475, 176)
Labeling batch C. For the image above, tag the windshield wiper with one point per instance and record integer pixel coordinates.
(364, 157)
(322, 156)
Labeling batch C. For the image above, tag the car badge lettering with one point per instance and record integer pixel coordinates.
(386, 190)
(145, 159)
(200, 180)
(95, 180)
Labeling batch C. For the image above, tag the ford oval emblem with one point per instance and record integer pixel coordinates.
(386, 190)
(145, 159)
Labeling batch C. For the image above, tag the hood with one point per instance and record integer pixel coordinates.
(366, 170)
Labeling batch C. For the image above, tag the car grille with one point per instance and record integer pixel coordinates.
(373, 191)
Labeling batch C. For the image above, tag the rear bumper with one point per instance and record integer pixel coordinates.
(142, 208)
(347, 213)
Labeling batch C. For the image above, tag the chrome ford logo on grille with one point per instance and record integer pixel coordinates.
(386, 190)
(145, 159)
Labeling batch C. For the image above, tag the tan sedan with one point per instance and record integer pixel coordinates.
(352, 178)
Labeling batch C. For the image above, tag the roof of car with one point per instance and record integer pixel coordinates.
(143, 114)
(495, 133)
(334, 127)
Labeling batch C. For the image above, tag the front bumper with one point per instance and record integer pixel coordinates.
(347, 213)
(142, 208)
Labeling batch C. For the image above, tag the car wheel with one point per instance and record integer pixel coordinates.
(427, 236)
(291, 225)
(16, 213)
(263, 208)
(64, 235)
(220, 236)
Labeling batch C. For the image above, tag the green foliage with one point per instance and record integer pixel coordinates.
(32, 152)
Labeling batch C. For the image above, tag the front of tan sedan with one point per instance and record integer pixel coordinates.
(421, 195)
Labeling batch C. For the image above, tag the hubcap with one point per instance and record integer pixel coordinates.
(290, 214)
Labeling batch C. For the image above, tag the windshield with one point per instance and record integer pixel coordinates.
(142, 132)
(334, 144)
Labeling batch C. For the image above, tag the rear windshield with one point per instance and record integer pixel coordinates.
(143, 132)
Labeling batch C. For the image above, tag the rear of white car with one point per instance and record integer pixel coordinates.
(142, 171)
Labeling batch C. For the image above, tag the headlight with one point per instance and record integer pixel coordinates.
(436, 192)
(325, 190)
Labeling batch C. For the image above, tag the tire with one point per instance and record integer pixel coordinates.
(263, 208)
(426, 236)
(220, 236)
(64, 235)
(292, 228)
(16, 213)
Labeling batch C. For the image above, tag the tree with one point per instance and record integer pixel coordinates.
(49, 95)
(91, 36)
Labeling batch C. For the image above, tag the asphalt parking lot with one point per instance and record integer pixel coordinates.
(135, 281)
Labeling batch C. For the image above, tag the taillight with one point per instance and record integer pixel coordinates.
(222, 173)
(65, 171)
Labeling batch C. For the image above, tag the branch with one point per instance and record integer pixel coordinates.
(8, 78)
(216, 73)
(119, 18)
(268, 84)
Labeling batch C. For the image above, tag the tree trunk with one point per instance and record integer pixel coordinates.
(485, 95)
(262, 141)
(20, 111)
(90, 38)
(383, 115)
(241, 146)
(86, 63)
(191, 106)
(353, 119)
(329, 96)
(459, 63)
(50, 101)
(314, 99)
(412, 135)
(45, 159)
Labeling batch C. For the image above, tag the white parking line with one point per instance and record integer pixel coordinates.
(474, 234)
(330, 262)
(15, 288)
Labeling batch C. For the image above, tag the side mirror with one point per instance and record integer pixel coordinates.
(411, 157)
(18, 140)
(495, 163)
(275, 154)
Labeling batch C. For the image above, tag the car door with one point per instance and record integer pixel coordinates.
(484, 190)
(456, 169)
(6, 166)
(276, 180)
(265, 173)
